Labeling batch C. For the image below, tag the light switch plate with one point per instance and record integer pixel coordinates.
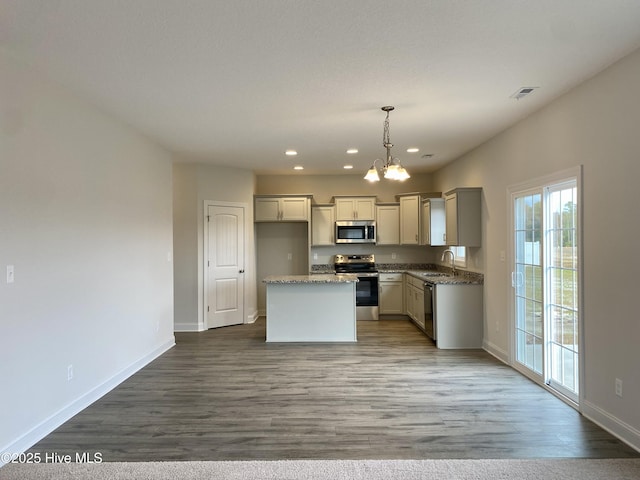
(10, 274)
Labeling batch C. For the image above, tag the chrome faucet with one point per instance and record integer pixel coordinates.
(453, 259)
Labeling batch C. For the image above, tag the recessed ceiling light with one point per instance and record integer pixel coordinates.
(348, 167)
(298, 167)
(291, 153)
(351, 151)
(413, 150)
(427, 155)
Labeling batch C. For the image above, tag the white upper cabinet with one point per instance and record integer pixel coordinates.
(410, 219)
(388, 224)
(355, 208)
(323, 219)
(270, 208)
(462, 214)
(433, 222)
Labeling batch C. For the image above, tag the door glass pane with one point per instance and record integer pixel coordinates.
(528, 281)
(562, 262)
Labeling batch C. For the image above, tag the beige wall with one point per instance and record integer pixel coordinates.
(323, 187)
(195, 183)
(594, 125)
(274, 243)
(85, 207)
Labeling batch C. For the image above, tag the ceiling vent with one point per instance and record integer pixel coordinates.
(523, 92)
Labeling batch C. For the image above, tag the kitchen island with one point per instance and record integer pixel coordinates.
(311, 308)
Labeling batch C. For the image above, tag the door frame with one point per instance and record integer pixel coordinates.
(541, 182)
(205, 257)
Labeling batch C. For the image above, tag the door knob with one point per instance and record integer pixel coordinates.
(240, 271)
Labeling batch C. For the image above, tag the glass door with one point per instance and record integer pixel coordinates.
(545, 280)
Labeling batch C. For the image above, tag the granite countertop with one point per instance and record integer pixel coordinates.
(441, 278)
(315, 278)
(419, 270)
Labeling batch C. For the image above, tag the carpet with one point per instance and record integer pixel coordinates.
(549, 469)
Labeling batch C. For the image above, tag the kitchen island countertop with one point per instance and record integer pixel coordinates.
(315, 278)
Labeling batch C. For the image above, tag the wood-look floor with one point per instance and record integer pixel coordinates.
(227, 395)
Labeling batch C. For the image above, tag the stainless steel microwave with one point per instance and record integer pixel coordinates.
(356, 232)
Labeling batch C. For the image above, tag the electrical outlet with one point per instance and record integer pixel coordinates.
(70, 373)
(619, 387)
(503, 256)
(315, 256)
(289, 256)
(393, 256)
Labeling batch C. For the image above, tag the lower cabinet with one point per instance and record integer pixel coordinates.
(457, 312)
(391, 293)
(458, 316)
(414, 298)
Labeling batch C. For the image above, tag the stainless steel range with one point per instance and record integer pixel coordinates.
(367, 287)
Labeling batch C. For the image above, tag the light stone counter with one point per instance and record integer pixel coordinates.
(436, 277)
(315, 278)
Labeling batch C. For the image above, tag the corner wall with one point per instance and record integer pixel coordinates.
(85, 214)
(194, 183)
(594, 125)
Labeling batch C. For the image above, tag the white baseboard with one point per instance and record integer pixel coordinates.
(497, 352)
(613, 425)
(252, 318)
(188, 327)
(47, 426)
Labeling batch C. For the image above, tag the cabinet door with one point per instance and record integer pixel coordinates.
(409, 301)
(388, 225)
(365, 208)
(323, 225)
(418, 306)
(294, 209)
(391, 297)
(267, 210)
(345, 209)
(463, 217)
(426, 224)
(451, 215)
(410, 220)
(433, 222)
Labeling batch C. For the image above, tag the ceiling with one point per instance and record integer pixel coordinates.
(238, 82)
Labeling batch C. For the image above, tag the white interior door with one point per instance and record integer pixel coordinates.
(225, 266)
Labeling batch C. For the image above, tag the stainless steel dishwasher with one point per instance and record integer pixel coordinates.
(429, 324)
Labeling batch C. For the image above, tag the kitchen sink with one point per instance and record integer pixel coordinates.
(433, 274)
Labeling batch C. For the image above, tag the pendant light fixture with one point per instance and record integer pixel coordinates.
(392, 168)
